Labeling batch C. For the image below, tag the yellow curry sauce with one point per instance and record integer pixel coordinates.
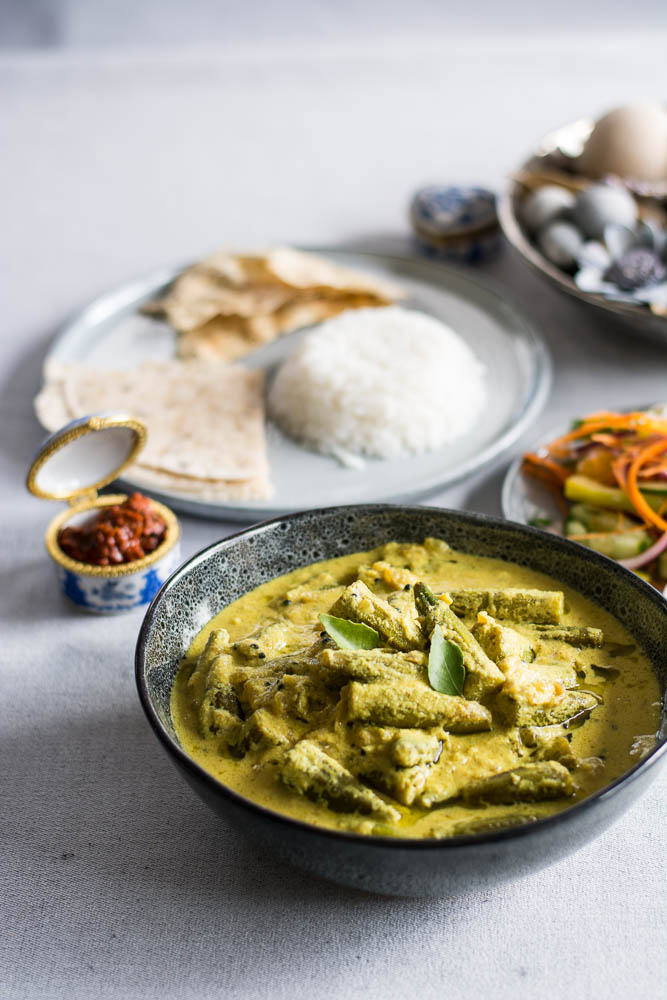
(558, 701)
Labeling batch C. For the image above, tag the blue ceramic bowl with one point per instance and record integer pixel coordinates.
(230, 568)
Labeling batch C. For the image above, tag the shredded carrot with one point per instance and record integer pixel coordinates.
(556, 470)
(637, 500)
(636, 421)
(626, 449)
(620, 469)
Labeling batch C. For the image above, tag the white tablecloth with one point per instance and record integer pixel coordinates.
(117, 881)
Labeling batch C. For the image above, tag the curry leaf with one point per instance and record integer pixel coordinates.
(350, 635)
(446, 672)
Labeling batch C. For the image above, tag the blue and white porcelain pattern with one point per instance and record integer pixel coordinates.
(118, 594)
(468, 251)
(455, 222)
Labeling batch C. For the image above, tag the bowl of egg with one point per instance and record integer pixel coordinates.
(587, 210)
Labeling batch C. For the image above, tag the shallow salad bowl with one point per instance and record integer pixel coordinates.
(426, 867)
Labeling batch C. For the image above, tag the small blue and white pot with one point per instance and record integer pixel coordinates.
(455, 222)
(113, 589)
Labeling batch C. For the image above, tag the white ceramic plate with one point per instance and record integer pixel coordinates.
(111, 333)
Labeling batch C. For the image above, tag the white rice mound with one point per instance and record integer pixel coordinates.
(382, 382)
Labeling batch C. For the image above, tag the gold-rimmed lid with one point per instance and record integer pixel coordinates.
(84, 456)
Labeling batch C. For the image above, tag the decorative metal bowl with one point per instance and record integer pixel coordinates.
(555, 155)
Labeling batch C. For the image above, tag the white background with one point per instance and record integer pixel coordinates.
(119, 156)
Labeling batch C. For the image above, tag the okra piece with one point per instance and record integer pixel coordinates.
(535, 683)
(292, 696)
(403, 784)
(545, 745)
(571, 704)
(257, 691)
(499, 641)
(226, 726)
(574, 635)
(468, 758)
(313, 773)
(274, 639)
(358, 604)
(403, 747)
(336, 667)
(528, 783)
(557, 673)
(217, 644)
(490, 824)
(403, 602)
(290, 663)
(301, 698)
(262, 729)
(401, 766)
(220, 711)
(514, 603)
(482, 674)
(410, 704)
(414, 747)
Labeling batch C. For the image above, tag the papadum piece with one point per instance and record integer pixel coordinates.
(228, 304)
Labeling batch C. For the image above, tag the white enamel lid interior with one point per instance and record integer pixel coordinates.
(85, 455)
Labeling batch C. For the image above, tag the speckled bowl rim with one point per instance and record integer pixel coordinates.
(532, 828)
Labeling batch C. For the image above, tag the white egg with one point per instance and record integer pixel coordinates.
(629, 142)
(603, 205)
(561, 243)
(543, 205)
(594, 254)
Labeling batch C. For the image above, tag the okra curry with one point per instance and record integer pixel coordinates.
(415, 691)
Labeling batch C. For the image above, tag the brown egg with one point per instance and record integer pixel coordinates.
(629, 142)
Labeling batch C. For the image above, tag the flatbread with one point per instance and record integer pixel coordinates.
(205, 421)
(198, 296)
(202, 489)
(299, 269)
(223, 338)
(230, 338)
(227, 304)
(51, 407)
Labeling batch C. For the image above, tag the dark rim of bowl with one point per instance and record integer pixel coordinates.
(396, 843)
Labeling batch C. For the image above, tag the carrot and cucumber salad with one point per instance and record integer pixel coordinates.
(609, 474)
